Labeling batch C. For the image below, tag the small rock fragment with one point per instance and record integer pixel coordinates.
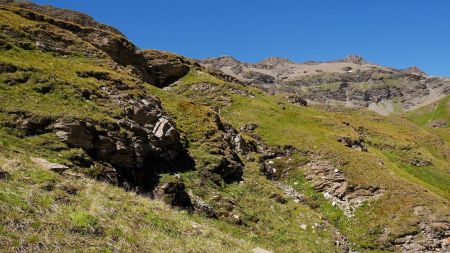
(59, 168)
(260, 250)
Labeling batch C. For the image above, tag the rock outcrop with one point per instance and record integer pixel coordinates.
(59, 168)
(139, 146)
(68, 32)
(357, 144)
(432, 236)
(174, 193)
(3, 174)
(331, 181)
(237, 141)
(165, 68)
(297, 100)
(438, 123)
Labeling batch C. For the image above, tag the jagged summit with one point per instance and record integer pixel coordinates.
(224, 60)
(415, 70)
(356, 59)
(275, 61)
(351, 81)
(64, 14)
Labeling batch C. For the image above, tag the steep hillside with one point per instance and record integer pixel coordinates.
(108, 148)
(371, 176)
(434, 117)
(350, 82)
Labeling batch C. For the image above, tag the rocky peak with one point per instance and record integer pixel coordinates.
(64, 14)
(356, 59)
(275, 61)
(415, 71)
(351, 81)
(222, 61)
(68, 32)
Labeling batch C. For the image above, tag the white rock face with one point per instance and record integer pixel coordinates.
(165, 131)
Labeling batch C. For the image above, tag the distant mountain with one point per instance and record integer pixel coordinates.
(351, 81)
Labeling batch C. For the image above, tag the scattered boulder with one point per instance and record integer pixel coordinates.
(357, 144)
(221, 142)
(259, 77)
(105, 172)
(275, 161)
(295, 99)
(249, 128)
(95, 74)
(201, 207)
(432, 235)
(174, 193)
(278, 198)
(420, 162)
(59, 168)
(165, 68)
(230, 169)
(438, 123)
(43, 88)
(17, 78)
(4, 45)
(290, 192)
(260, 250)
(7, 68)
(347, 68)
(3, 174)
(144, 112)
(165, 131)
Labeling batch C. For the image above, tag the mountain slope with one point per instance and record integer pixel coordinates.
(351, 82)
(390, 179)
(96, 156)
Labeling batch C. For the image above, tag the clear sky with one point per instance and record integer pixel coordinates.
(397, 33)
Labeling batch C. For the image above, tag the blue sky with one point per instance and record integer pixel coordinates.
(397, 33)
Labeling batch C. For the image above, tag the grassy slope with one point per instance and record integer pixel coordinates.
(278, 226)
(92, 209)
(434, 111)
(44, 213)
(439, 110)
(49, 212)
(393, 140)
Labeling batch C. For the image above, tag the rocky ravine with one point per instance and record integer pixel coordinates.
(351, 81)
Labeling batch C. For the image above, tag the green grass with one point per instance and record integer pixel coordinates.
(434, 111)
(46, 212)
(267, 223)
(310, 129)
(52, 217)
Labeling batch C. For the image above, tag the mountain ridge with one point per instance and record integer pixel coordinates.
(336, 81)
